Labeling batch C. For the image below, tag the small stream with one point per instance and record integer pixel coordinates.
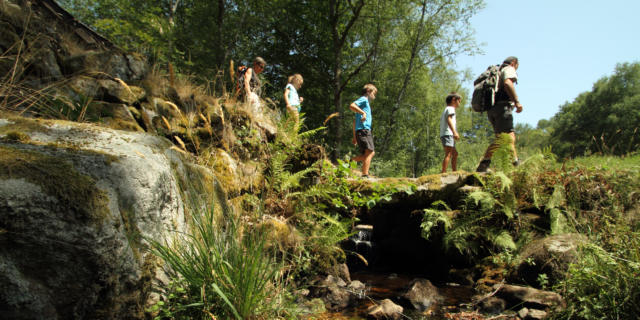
(382, 286)
(384, 283)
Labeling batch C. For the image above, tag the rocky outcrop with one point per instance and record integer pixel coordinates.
(423, 191)
(59, 68)
(77, 205)
(44, 43)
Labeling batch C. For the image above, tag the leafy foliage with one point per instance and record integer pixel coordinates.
(318, 201)
(433, 218)
(604, 120)
(604, 283)
(403, 47)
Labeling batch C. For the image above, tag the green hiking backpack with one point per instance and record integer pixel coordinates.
(485, 88)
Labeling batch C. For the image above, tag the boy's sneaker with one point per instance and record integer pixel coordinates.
(484, 165)
(516, 163)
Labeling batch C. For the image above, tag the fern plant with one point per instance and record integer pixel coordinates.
(435, 217)
(482, 226)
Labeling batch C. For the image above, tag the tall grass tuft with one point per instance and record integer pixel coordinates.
(225, 267)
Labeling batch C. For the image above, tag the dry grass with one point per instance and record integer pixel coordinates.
(156, 83)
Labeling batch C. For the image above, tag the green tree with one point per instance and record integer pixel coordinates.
(403, 47)
(604, 120)
(138, 25)
(530, 140)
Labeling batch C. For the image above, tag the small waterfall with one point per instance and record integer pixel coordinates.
(362, 244)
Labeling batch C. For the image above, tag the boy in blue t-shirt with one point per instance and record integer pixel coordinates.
(362, 127)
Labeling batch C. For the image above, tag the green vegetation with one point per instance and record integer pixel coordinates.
(596, 196)
(223, 269)
(602, 121)
(604, 283)
(299, 206)
(245, 264)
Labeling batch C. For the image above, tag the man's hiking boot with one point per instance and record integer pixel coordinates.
(484, 165)
(516, 163)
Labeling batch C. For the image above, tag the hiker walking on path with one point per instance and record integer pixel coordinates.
(362, 127)
(291, 98)
(252, 84)
(501, 114)
(448, 132)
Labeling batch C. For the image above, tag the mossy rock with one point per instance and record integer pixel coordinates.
(58, 178)
(80, 202)
(15, 136)
(117, 91)
(551, 256)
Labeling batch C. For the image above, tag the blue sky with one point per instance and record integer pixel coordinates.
(564, 47)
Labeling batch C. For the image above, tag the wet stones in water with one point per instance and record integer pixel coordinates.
(385, 310)
(422, 294)
(337, 295)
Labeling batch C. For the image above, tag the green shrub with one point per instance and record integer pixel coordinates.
(605, 281)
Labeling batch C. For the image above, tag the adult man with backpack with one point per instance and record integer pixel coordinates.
(501, 113)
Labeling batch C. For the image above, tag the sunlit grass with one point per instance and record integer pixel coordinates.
(225, 266)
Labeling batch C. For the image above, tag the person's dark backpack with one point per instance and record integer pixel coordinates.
(242, 70)
(485, 88)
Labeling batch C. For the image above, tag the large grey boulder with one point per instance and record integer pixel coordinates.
(76, 205)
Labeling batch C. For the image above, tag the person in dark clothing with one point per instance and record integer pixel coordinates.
(501, 114)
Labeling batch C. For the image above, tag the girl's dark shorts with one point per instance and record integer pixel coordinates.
(365, 140)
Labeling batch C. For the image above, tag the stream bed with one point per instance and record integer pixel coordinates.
(391, 286)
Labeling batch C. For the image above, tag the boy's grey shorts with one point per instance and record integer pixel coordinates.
(448, 141)
(365, 140)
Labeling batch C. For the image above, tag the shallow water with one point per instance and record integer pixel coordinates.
(382, 286)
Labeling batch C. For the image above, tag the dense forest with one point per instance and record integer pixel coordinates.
(406, 48)
(279, 202)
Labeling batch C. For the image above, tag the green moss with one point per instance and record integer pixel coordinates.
(132, 231)
(433, 179)
(57, 178)
(196, 186)
(17, 137)
(24, 125)
(120, 124)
